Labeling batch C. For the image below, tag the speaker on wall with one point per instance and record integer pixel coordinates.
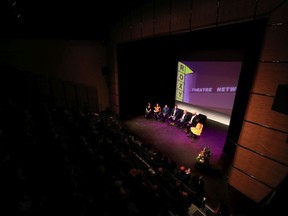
(280, 103)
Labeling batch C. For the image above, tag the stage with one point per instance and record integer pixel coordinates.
(174, 143)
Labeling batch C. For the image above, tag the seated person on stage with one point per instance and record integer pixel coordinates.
(165, 113)
(157, 111)
(191, 122)
(197, 130)
(174, 115)
(182, 121)
(148, 111)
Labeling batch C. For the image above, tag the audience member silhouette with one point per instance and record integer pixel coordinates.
(183, 174)
(197, 183)
(222, 209)
(183, 198)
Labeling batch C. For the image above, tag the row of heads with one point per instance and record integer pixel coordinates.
(175, 106)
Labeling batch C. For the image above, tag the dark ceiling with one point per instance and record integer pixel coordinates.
(83, 19)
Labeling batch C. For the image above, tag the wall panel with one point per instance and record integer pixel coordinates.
(248, 186)
(180, 15)
(162, 17)
(270, 143)
(136, 23)
(275, 44)
(232, 10)
(124, 28)
(115, 88)
(148, 19)
(70, 94)
(82, 96)
(265, 7)
(252, 164)
(92, 99)
(269, 76)
(204, 13)
(259, 111)
(115, 104)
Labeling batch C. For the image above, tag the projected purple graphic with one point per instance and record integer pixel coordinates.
(211, 85)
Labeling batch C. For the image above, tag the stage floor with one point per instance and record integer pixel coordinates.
(174, 143)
